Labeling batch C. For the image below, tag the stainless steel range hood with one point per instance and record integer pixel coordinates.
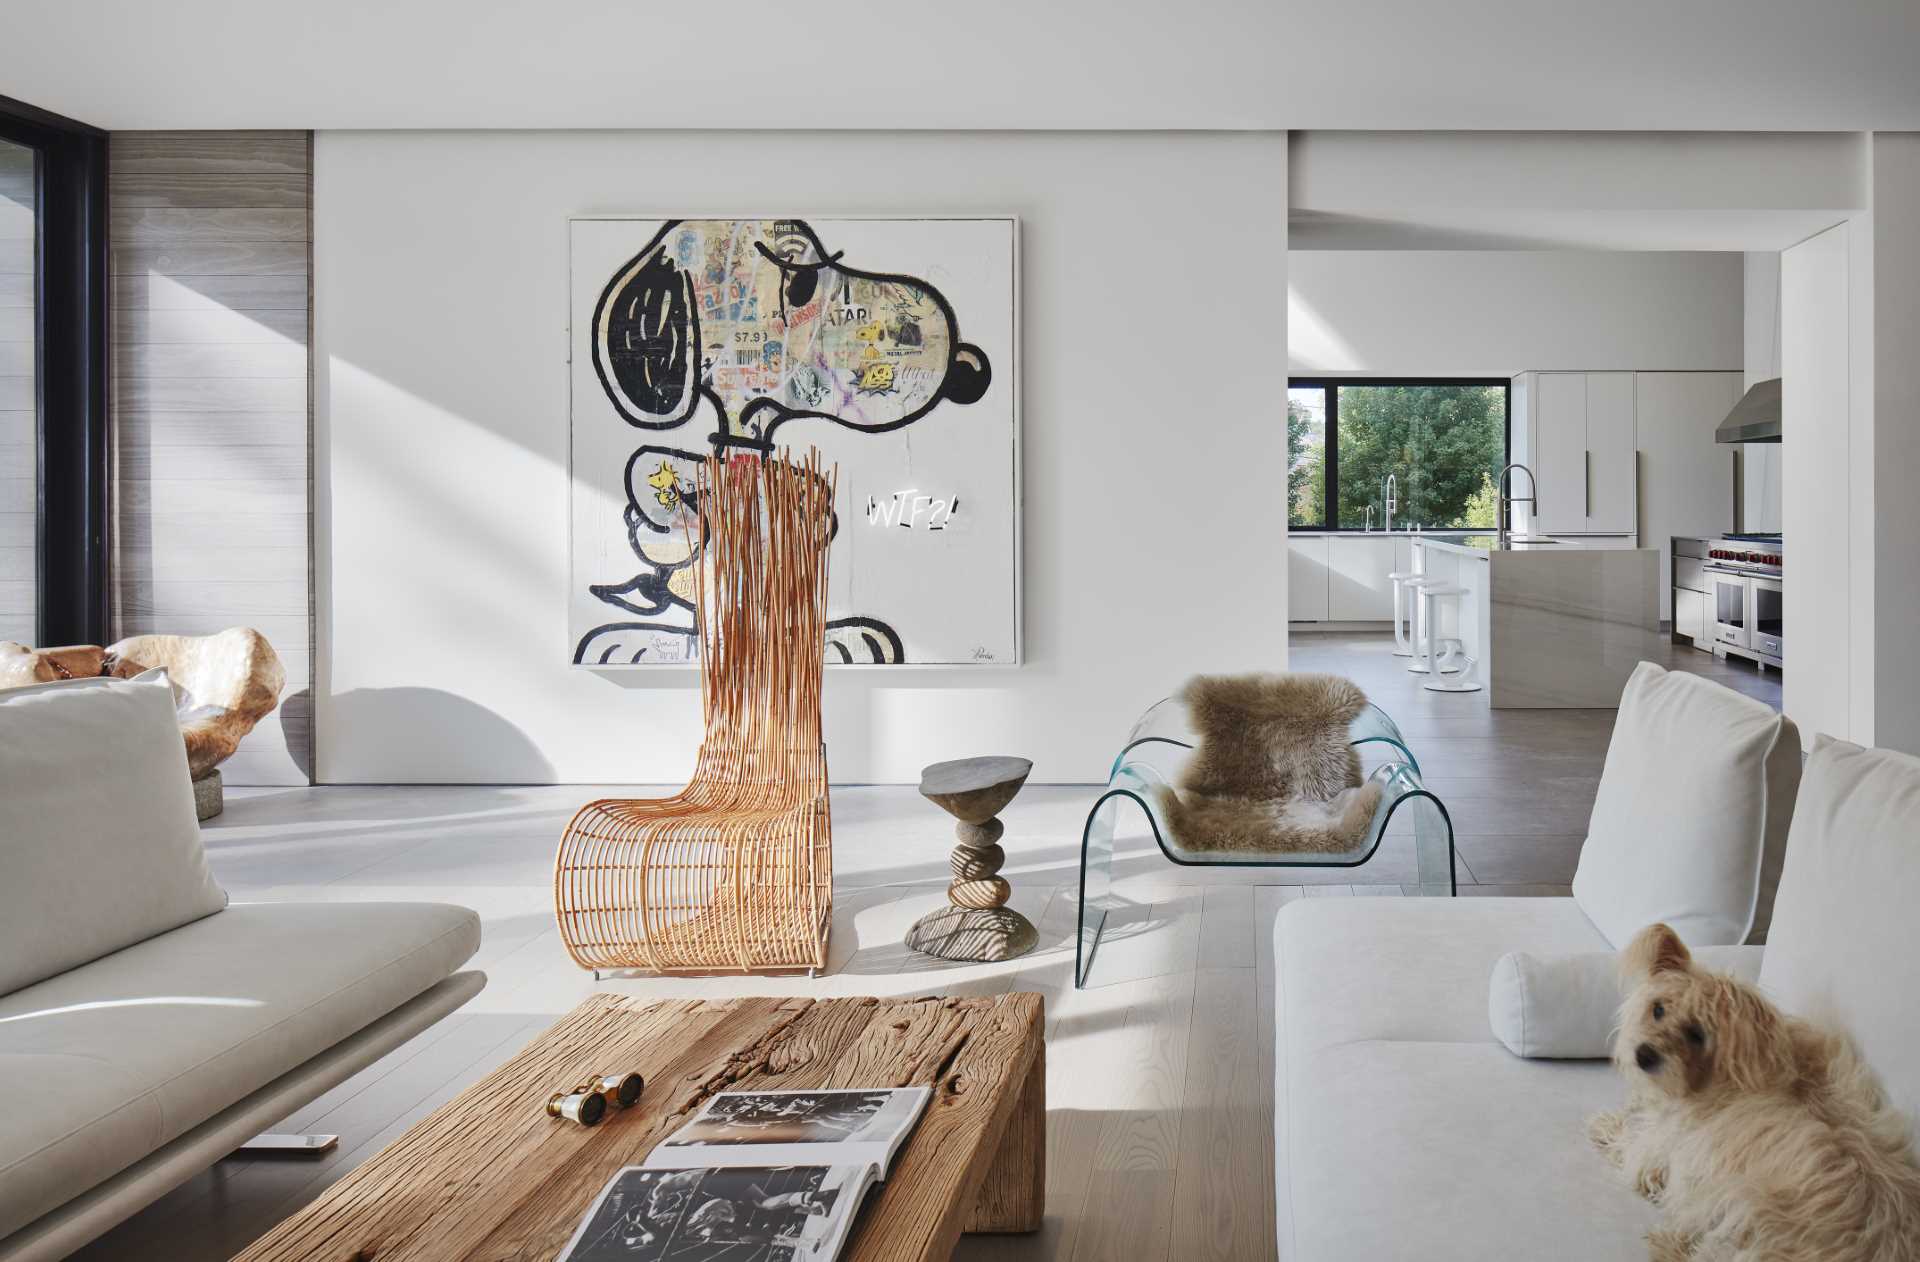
(1756, 418)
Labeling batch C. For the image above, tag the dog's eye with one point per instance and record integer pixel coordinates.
(1696, 1036)
(1659, 1010)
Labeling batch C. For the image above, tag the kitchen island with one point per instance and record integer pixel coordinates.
(1552, 624)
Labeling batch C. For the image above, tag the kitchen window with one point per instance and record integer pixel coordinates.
(1442, 439)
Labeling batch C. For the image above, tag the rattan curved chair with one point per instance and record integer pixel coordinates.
(734, 872)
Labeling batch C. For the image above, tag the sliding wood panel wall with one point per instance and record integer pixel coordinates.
(212, 246)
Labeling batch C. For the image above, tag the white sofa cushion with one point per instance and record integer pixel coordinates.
(1401, 1128)
(1690, 822)
(1412, 968)
(1452, 1152)
(1846, 939)
(99, 847)
(1566, 1007)
(109, 1061)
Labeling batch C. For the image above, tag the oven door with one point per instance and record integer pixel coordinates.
(1767, 630)
(1731, 606)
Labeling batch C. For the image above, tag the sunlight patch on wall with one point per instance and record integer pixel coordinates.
(1312, 343)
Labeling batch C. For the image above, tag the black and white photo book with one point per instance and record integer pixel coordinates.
(755, 1176)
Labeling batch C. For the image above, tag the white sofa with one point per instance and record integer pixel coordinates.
(1405, 1130)
(147, 1028)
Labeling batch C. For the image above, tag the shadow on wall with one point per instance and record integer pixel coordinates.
(866, 711)
(387, 723)
(296, 729)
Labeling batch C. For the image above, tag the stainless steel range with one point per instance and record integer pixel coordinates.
(1745, 572)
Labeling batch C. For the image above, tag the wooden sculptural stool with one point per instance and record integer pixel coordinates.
(977, 924)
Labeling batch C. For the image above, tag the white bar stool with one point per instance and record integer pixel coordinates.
(1403, 636)
(1418, 612)
(1461, 678)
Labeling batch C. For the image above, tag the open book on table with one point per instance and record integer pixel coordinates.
(755, 1176)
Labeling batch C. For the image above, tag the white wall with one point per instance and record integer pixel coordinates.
(1864, 528)
(1153, 268)
(1495, 313)
(1816, 453)
(1895, 463)
(1851, 424)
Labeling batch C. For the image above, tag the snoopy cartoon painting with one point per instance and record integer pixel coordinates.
(887, 343)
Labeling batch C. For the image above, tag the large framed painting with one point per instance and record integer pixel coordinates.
(891, 344)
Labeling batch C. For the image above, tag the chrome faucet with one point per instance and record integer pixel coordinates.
(1369, 519)
(1507, 502)
(1387, 494)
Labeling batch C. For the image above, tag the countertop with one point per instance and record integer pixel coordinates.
(1293, 533)
(1483, 545)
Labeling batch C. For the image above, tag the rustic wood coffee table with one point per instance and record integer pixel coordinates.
(490, 1175)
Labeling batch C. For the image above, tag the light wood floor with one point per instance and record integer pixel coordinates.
(1159, 1120)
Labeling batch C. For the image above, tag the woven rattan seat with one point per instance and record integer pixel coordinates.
(734, 872)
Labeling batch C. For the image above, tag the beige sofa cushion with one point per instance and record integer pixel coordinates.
(1690, 822)
(107, 1062)
(99, 847)
(1846, 937)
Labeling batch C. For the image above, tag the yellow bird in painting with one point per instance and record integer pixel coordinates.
(666, 487)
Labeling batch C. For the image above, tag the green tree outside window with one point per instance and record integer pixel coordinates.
(1444, 444)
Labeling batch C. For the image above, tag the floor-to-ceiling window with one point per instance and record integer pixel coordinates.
(53, 378)
(1442, 441)
(19, 394)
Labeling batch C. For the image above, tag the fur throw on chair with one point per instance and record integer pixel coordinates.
(1272, 771)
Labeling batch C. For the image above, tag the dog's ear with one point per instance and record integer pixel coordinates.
(1655, 949)
(646, 340)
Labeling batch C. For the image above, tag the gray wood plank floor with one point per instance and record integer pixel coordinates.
(1159, 1119)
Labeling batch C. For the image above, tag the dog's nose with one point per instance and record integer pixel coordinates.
(1645, 1057)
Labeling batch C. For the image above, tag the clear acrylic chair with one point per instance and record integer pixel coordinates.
(1157, 747)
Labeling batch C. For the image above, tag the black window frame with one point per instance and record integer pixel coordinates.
(1330, 433)
(70, 371)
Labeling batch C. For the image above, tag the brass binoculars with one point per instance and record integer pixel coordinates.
(588, 1102)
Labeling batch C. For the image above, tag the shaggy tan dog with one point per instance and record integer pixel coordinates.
(1273, 770)
(1763, 1137)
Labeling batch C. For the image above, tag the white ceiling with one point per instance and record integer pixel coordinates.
(984, 64)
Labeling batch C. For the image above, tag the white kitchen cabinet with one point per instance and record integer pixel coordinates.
(1559, 426)
(1357, 586)
(1575, 431)
(1686, 478)
(1610, 448)
(1307, 578)
(1690, 614)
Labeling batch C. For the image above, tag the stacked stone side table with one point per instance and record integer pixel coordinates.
(977, 924)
